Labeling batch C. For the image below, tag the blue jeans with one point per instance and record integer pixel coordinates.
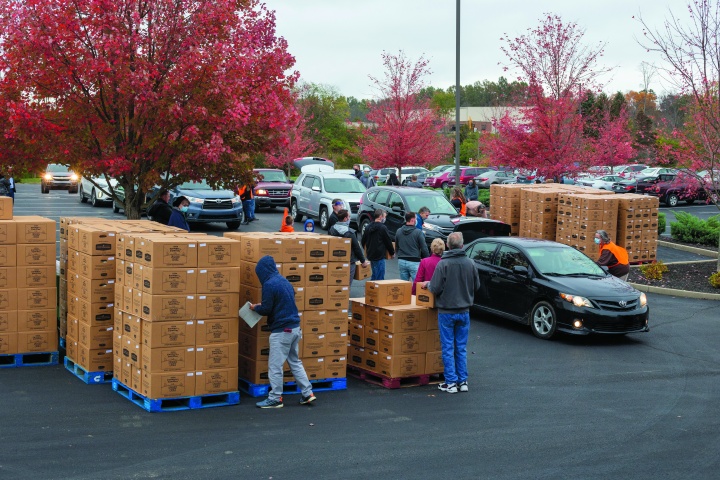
(378, 269)
(408, 270)
(454, 331)
(249, 209)
(284, 346)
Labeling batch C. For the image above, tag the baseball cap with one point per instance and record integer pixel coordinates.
(339, 203)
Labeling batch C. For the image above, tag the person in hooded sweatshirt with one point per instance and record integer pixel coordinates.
(411, 248)
(471, 190)
(278, 305)
(377, 244)
(342, 229)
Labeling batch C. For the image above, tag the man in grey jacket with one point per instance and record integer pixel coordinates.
(454, 284)
(411, 248)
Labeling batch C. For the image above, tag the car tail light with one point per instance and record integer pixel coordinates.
(628, 187)
(484, 179)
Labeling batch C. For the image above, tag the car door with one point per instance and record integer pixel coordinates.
(481, 253)
(315, 195)
(303, 197)
(511, 293)
(395, 213)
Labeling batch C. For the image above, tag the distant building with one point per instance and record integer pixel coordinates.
(482, 117)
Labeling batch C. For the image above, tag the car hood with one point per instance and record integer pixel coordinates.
(607, 287)
(271, 185)
(205, 193)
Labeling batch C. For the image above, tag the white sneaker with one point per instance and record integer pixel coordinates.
(449, 388)
(463, 386)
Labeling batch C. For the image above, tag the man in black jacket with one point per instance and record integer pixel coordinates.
(411, 248)
(377, 244)
(342, 229)
(161, 210)
(337, 205)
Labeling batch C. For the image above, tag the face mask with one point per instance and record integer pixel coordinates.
(597, 241)
(184, 209)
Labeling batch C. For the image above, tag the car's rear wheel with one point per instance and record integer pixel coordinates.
(93, 199)
(363, 225)
(543, 320)
(233, 225)
(444, 185)
(295, 213)
(44, 189)
(324, 218)
(672, 200)
(81, 195)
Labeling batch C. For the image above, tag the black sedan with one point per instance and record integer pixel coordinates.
(443, 219)
(553, 287)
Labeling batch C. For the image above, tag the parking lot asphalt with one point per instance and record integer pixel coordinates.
(638, 406)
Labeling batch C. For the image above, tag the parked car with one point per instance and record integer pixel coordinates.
(645, 183)
(443, 219)
(604, 182)
(272, 188)
(628, 171)
(493, 177)
(97, 190)
(58, 177)
(626, 186)
(403, 176)
(553, 287)
(438, 181)
(441, 169)
(119, 200)
(380, 175)
(208, 205)
(654, 171)
(681, 187)
(467, 174)
(313, 192)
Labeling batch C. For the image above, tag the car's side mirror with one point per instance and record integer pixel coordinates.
(520, 270)
(397, 209)
(316, 189)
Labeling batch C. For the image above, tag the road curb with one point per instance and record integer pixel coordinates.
(676, 293)
(687, 248)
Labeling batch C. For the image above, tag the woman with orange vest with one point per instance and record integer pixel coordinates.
(612, 256)
(458, 200)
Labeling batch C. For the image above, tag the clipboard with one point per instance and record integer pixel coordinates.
(251, 317)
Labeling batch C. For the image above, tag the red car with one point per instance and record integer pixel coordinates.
(438, 181)
(467, 174)
(272, 188)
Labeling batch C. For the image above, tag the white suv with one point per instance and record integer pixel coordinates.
(98, 192)
(313, 192)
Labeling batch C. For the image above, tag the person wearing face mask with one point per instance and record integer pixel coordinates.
(177, 217)
(377, 244)
(471, 190)
(612, 256)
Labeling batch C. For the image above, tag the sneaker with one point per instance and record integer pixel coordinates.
(308, 400)
(448, 387)
(463, 386)
(267, 403)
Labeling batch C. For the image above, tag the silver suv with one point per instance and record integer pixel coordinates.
(313, 192)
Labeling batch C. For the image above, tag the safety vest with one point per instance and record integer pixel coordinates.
(463, 208)
(620, 253)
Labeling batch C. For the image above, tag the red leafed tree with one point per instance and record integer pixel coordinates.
(149, 93)
(298, 141)
(406, 127)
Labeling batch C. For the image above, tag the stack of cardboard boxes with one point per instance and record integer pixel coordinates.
(581, 215)
(394, 334)
(318, 268)
(176, 314)
(637, 226)
(28, 292)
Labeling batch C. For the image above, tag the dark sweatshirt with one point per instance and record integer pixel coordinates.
(160, 211)
(278, 297)
(376, 241)
(342, 229)
(411, 244)
(454, 282)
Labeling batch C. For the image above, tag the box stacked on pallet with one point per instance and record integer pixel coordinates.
(394, 335)
(637, 226)
(318, 268)
(581, 215)
(28, 289)
(538, 218)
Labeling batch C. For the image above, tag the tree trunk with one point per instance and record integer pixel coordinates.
(133, 203)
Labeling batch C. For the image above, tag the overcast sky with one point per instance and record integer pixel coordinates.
(340, 42)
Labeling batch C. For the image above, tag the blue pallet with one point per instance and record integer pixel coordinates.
(174, 404)
(35, 359)
(291, 388)
(91, 378)
(62, 342)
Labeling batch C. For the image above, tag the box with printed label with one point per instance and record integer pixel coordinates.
(372, 338)
(356, 334)
(315, 368)
(159, 308)
(8, 321)
(36, 254)
(95, 360)
(253, 248)
(73, 327)
(316, 248)
(372, 317)
(261, 329)
(338, 297)
(36, 298)
(362, 272)
(95, 267)
(131, 351)
(6, 208)
(370, 360)
(357, 305)
(96, 291)
(8, 277)
(32, 229)
(133, 326)
(403, 319)
(8, 343)
(256, 371)
(293, 250)
(433, 340)
(299, 298)
(71, 347)
(168, 385)
(316, 298)
(313, 321)
(424, 298)
(402, 343)
(355, 356)
(168, 281)
(337, 320)
(382, 293)
(43, 341)
(222, 330)
(169, 334)
(339, 249)
(220, 355)
(32, 320)
(95, 314)
(95, 240)
(250, 294)
(336, 366)
(248, 277)
(168, 359)
(218, 252)
(434, 362)
(217, 305)
(216, 381)
(8, 232)
(395, 366)
(338, 273)
(317, 274)
(336, 343)
(254, 347)
(313, 345)
(218, 280)
(8, 255)
(295, 273)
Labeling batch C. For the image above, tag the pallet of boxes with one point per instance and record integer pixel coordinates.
(28, 290)
(317, 266)
(394, 337)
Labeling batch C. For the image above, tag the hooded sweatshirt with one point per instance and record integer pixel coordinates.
(278, 297)
(411, 244)
(342, 229)
(454, 282)
(377, 242)
(471, 191)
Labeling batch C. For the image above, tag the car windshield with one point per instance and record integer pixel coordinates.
(437, 204)
(344, 185)
(56, 168)
(561, 260)
(272, 176)
(201, 185)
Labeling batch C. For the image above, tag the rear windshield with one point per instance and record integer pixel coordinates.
(437, 204)
(344, 185)
(271, 176)
(201, 185)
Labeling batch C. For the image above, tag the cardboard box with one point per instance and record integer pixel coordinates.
(316, 248)
(336, 366)
(218, 280)
(433, 341)
(168, 385)
(256, 371)
(8, 255)
(402, 343)
(395, 366)
(338, 297)
(220, 355)
(6, 208)
(169, 334)
(338, 273)
(95, 360)
(250, 294)
(337, 320)
(94, 267)
(40, 298)
(35, 276)
(43, 341)
(356, 334)
(313, 321)
(8, 321)
(317, 274)
(339, 249)
(434, 363)
(222, 330)
(372, 317)
(403, 319)
(218, 252)
(73, 327)
(295, 273)
(371, 360)
(168, 251)
(8, 277)
(316, 298)
(357, 306)
(253, 347)
(132, 327)
(300, 298)
(95, 314)
(313, 345)
(217, 305)
(361, 272)
(372, 338)
(356, 356)
(8, 232)
(253, 248)
(36, 254)
(260, 330)
(382, 293)
(336, 343)
(424, 298)
(93, 240)
(33, 229)
(248, 277)
(8, 343)
(34, 320)
(71, 348)
(167, 281)
(168, 359)
(131, 351)
(159, 308)
(315, 368)
(216, 381)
